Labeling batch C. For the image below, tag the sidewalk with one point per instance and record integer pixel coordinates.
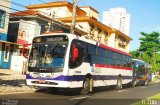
(13, 82)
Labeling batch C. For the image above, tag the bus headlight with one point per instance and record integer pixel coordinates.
(34, 75)
(50, 75)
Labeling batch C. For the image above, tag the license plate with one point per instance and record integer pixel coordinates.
(42, 81)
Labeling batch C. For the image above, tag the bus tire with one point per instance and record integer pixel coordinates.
(119, 83)
(134, 83)
(53, 89)
(146, 82)
(86, 86)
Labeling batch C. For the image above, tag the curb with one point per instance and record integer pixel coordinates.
(15, 93)
(153, 82)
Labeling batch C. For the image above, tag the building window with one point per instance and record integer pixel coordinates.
(99, 34)
(2, 18)
(43, 29)
(99, 30)
(6, 53)
(91, 29)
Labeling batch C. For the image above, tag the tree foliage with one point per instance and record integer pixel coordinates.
(135, 54)
(149, 49)
(149, 43)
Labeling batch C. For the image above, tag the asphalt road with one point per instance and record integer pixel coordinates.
(105, 96)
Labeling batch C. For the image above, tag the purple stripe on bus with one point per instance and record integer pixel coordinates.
(80, 77)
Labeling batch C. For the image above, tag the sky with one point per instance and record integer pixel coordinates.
(145, 14)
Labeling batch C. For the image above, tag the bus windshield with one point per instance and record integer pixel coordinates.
(47, 56)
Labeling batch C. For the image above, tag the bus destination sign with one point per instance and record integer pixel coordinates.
(50, 39)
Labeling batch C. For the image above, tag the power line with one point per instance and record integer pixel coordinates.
(23, 22)
(42, 1)
(80, 1)
(14, 3)
(18, 11)
(83, 27)
(64, 10)
(49, 3)
(25, 7)
(67, 11)
(32, 14)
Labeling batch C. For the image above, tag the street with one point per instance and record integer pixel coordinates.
(109, 96)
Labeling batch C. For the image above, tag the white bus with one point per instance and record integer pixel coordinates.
(65, 60)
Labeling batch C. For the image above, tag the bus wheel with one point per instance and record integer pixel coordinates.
(86, 87)
(134, 83)
(146, 82)
(119, 83)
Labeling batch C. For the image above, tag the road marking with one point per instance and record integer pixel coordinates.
(78, 98)
(122, 90)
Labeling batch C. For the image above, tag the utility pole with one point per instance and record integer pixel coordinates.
(52, 21)
(73, 16)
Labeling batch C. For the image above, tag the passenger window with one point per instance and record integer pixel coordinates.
(77, 54)
(110, 56)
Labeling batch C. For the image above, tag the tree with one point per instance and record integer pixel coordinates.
(149, 43)
(135, 54)
(149, 48)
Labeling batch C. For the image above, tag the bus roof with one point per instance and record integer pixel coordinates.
(138, 60)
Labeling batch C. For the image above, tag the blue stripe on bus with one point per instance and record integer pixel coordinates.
(80, 77)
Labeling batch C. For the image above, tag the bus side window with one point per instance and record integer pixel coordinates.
(77, 54)
(74, 53)
(128, 61)
(110, 58)
(91, 54)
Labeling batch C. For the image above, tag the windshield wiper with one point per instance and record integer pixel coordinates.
(44, 58)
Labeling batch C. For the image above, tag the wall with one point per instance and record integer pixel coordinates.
(6, 4)
(5, 48)
(90, 12)
(111, 40)
(30, 27)
(121, 45)
(84, 26)
(5, 64)
(3, 36)
(17, 63)
(56, 11)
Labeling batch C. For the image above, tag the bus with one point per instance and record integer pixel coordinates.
(141, 72)
(67, 61)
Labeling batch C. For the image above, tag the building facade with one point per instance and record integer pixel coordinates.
(87, 19)
(117, 18)
(6, 47)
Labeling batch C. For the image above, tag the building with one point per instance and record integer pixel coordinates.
(87, 19)
(117, 18)
(6, 47)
